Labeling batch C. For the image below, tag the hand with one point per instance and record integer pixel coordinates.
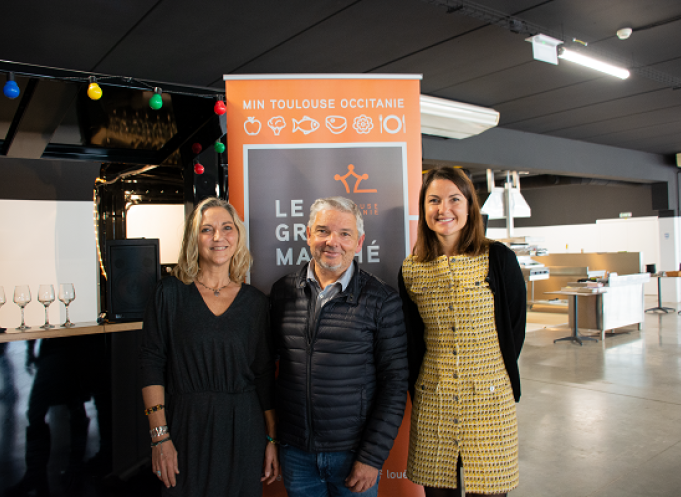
(164, 459)
(270, 466)
(361, 478)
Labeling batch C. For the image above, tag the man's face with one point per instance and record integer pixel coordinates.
(334, 240)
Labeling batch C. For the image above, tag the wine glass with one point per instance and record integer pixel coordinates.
(46, 297)
(67, 294)
(2, 301)
(22, 296)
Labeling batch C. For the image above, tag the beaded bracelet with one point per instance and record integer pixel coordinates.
(158, 431)
(154, 444)
(272, 440)
(154, 409)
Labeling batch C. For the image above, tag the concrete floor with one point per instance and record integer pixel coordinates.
(603, 419)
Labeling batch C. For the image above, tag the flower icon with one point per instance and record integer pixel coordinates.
(363, 124)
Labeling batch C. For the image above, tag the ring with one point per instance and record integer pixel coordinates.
(158, 473)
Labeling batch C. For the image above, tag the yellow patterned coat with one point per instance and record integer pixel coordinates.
(463, 404)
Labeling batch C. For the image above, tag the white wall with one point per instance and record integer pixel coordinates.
(162, 221)
(48, 242)
(656, 238)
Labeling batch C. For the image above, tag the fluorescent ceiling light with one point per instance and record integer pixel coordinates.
(451, 119)
(598, 65)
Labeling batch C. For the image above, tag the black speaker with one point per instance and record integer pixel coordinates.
(133, 268)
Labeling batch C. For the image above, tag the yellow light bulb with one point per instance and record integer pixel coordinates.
(94, 91)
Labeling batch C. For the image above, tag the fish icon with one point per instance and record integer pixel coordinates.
(306, 125)
(336, 124)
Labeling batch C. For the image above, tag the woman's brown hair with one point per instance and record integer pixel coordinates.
(472, 240)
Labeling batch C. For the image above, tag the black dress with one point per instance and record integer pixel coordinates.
(218, 374)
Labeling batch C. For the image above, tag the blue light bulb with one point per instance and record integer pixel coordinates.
(11, 89)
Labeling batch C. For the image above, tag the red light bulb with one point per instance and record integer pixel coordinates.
(220, 107)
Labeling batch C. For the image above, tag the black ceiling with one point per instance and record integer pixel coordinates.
(466, 52)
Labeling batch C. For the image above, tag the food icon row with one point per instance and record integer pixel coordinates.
(362, 124)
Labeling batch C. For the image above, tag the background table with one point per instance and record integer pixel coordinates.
(660, 307)
(575, 315)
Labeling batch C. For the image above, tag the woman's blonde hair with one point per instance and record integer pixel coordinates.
(188, 268)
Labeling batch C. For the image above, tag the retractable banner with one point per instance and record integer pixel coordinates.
(292, 139)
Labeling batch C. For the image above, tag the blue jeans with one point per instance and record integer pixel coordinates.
(320, 474)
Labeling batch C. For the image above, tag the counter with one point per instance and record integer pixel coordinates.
(12, 335)
(622, 305)
(71, 408)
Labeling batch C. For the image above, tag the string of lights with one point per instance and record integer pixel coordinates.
(94, 90)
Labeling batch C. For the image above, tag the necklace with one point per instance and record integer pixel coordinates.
(216, 291)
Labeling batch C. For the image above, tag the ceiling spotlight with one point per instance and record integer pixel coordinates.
(624, 33)
(598, 65)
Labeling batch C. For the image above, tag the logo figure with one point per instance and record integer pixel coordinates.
(252, 126)
(307, 125)
(351, 172)
(336, 124)
(363, 124)
(277, 123)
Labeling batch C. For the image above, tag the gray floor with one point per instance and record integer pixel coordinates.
(603, 419)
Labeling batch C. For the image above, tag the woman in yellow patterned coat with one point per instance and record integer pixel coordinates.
(464, 302)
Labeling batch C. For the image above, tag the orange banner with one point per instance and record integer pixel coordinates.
(294, 138)
(322, 109)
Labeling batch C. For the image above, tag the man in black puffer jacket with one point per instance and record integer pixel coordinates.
(342, 384)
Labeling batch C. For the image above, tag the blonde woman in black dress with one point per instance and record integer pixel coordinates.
(464, 303)
(208, 368)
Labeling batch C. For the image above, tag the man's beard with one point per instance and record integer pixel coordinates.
(318, 260)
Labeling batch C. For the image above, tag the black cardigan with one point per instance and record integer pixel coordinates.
(508, 286)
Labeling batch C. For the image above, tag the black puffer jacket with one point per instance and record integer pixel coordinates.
(343, 385)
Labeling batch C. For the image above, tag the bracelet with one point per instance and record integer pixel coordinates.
(154, 444)
(272, 440)
(154, 409)
(158, 431)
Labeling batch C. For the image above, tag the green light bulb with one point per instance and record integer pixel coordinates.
(156, 101)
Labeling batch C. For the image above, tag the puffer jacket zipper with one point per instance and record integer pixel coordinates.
(309, 349)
